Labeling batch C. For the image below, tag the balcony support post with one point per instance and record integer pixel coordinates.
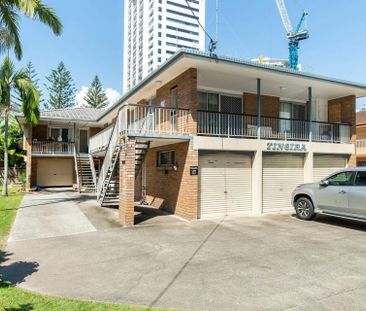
(259, 108)
(310, 100)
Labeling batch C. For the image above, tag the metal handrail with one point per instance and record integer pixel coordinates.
(107, 162)
(77, 169)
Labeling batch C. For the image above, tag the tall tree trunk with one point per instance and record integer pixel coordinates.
(6, 162)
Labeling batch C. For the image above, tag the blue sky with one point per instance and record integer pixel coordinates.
(92, 41)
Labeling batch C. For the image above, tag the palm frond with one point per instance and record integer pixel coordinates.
(48, 17)
(9, 21)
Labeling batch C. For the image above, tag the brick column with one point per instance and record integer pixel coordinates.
(127, 183)
(28, 148)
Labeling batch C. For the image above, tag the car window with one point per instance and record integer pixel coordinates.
(340, 179)
(360, 179)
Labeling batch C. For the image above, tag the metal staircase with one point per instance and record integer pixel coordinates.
(86, 173)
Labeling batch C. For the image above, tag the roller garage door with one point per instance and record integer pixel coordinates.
(281, 174)
(54, 172)
(225, 184)
(324, 165)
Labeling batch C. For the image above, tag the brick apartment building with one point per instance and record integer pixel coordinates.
(361, 138)
(201, 137)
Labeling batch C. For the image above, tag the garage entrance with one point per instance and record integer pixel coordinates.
(55, 172)
(324, 165)
(225, 184)
(281, 174)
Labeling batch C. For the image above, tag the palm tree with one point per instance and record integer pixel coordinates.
(10, 11)
(17, 93)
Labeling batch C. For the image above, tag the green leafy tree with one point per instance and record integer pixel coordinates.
(15, 149)
(13, 84)
(31, 73)
(10, 12)
(96, 97)
(61, 88)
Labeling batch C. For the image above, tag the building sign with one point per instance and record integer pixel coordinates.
(194, 170)
(286, 147)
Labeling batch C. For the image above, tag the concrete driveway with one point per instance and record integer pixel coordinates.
(268, 263)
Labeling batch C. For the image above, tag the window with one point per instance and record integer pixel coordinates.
(360, 179)
(340, 179)
(60, 134)
(173, 97)
(166, 158)
(208, 101)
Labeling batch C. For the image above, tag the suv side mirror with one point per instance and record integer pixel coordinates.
(324, 183)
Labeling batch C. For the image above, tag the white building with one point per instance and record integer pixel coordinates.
(154, 30)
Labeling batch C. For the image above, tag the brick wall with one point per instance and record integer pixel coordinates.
(343, 110)
(94, 131)
(174, 191)
(270, 105)
(361, 132)
(186, 84)
(127, 183)
(28, 148)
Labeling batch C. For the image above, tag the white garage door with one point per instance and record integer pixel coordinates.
(281, 174)
(53, 172)
(324, 165)
(225, 184)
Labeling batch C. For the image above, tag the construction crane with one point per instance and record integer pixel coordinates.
(294, 36)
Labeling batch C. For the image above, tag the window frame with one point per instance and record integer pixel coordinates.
(171, 158)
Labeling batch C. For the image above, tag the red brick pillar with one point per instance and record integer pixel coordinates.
(127, 183)
(28, 148)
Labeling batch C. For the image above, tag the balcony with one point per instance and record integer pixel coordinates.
(246, 126)
(361, 147)
(144, 121)
(52, 148)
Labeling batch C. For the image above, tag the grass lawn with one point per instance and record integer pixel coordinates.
(14, 299)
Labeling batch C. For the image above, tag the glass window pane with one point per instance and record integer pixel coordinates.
(65, 135)
(341, 179)
(55, 133)
(360, 179)
(213, 102)
(202, 100)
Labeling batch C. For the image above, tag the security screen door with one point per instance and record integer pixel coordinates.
(232, 120)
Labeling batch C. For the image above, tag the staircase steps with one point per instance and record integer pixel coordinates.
(85, 173)
(110, 196)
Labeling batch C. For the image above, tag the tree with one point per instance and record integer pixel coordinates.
(96, 97)
(15, 139)
(61, 88)
(17, 83)
(31, 73)
(10, 11)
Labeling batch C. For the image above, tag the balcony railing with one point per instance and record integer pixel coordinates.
(152, 120)
(361, 146)
(99, 142)
(142, 120)
(52, 148)
(246, 126)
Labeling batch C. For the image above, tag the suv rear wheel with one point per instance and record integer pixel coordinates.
(304, 209)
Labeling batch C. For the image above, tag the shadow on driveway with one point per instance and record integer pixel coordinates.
(15, 272)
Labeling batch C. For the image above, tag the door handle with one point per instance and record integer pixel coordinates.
(342, 192)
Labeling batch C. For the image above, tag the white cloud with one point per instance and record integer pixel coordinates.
(112, 96)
